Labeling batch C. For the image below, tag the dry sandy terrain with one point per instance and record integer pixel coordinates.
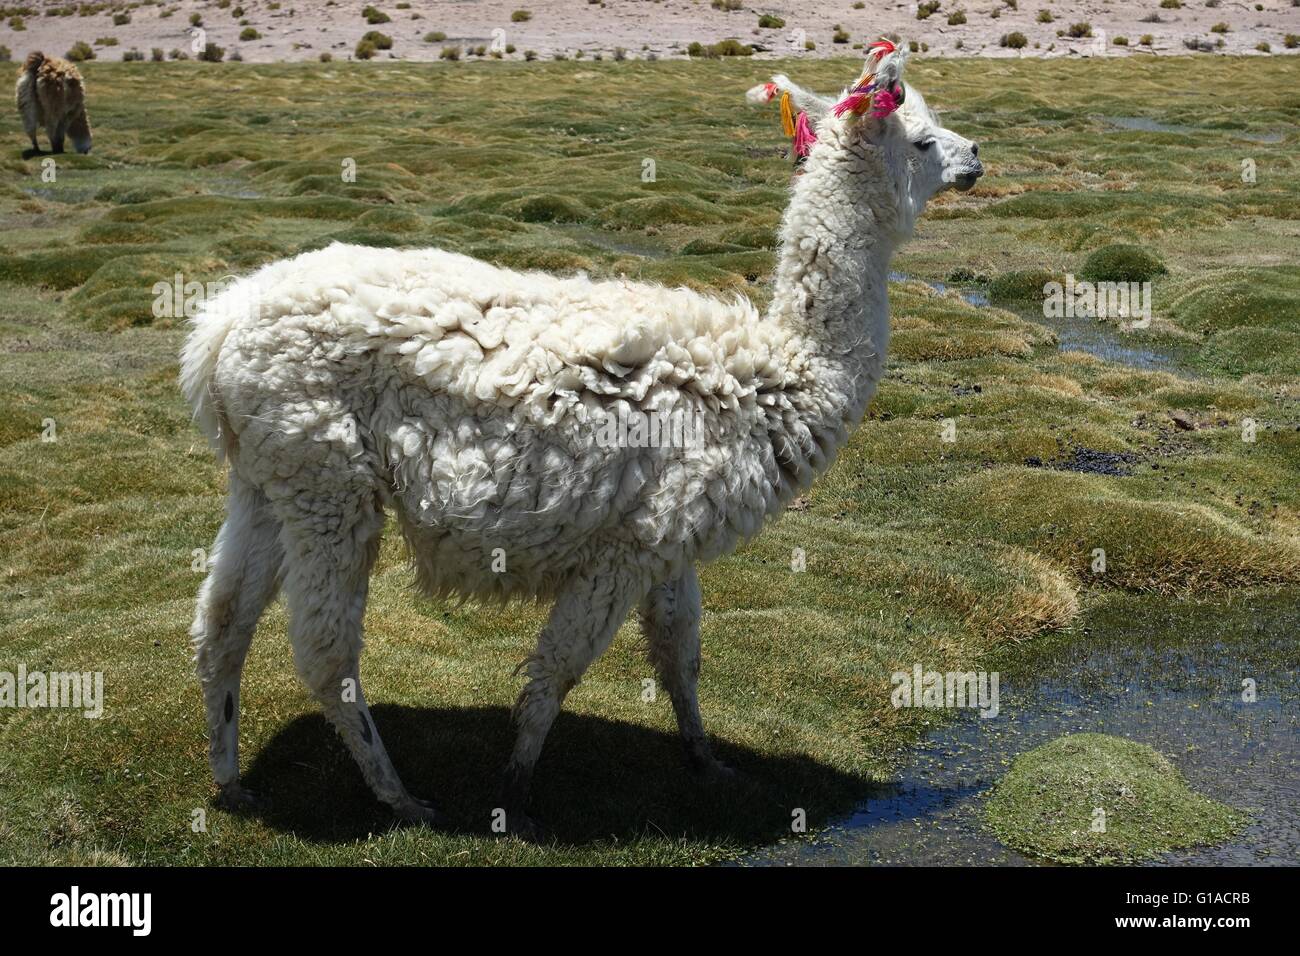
(304, 29)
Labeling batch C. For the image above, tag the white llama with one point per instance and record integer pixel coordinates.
(466, 399)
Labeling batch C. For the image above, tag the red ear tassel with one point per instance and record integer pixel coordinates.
(882, 48)
(804, 137)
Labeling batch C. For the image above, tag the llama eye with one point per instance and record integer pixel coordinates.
(924, 144)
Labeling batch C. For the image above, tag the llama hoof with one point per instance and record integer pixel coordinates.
(524, 827)
(717, 775)
(419, 811)
(237, 799)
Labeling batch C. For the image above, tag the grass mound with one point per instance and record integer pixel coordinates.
(1093, 798)
(1025, 285)
(1235, 298)
(1120, 262)
(1149, 545)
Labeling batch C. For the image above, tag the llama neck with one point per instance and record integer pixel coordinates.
(830, 293)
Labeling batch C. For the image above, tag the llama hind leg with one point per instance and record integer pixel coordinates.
(244, 570)
(326, 584)
(670, 621)
(586, 616)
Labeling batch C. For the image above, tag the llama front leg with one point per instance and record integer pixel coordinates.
(326, 585)
(243, 574)
(586, 616)
(670, 621)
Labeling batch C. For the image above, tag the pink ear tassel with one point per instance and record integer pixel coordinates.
(804, 137)
(855, 102)
(769, 92)
(883, 104)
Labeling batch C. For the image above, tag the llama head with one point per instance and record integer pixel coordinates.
(888, 122)
(79, 130)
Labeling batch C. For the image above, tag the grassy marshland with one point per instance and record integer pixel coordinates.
(918, 550)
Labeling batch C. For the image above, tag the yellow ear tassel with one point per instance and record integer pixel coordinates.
(787, 114)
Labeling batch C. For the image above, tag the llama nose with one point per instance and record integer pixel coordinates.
(974, 149)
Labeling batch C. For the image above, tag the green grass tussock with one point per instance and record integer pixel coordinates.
(1093, 798)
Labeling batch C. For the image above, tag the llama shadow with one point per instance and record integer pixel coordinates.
(598, 779)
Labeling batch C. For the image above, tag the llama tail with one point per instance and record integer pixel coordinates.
(199, 356)
(34, 61)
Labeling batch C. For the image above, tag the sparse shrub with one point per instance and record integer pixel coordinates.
(450, 53)
(510, 48)
(106, 41)
(375, 16)
(326, 57)
(1147, 40)
(17, 24)
(530, 56)
(1045, 16)
(236, 56)
(481, 50)
(6, 54)
(1080, 30)
(437, 36)
(1014, 41)
(520, 16)
(1120, 41)
(1291, 41)
(926, 8)
(121, 20)
(809, 45)
(956, 18)
(913, 46)
(249, 33)
(768, 21)
(212, 53)
(80, 52)
(382, 41)
(840, 35)
(728, 47)
(132, 55)
(157, 55)
(1219, 28)
(1263, 47)
(196, 20)
(365, 50)
(620, 54)
(1171, 4)
(729, 5)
